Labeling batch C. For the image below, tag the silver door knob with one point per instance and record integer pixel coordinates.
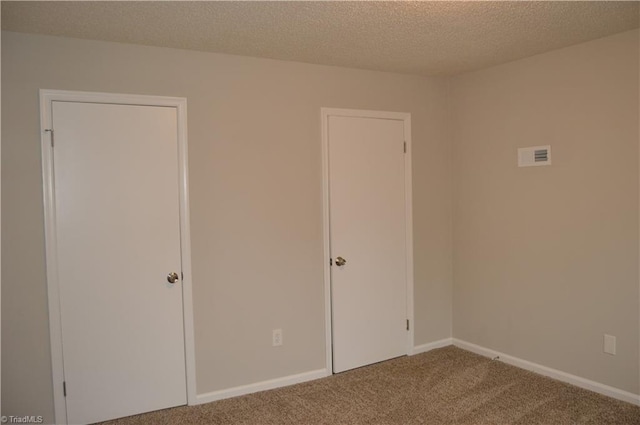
(340, 261)
(172, 277)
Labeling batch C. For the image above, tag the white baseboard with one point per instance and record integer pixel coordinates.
(261, 386)
(486, 352)
(296, 379)
(551, 373)
(431, 346)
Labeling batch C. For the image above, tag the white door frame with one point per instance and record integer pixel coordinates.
(47, 97)
(400, 116)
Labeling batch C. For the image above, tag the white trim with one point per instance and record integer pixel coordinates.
(55, 326)
(326, 238)
(185, 249)
(262, 386)
(406, 118)
(551, 373)
(432, 346)
(408, 209)
(363, 113)
(638, 313)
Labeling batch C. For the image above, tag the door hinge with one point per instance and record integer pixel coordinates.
(50, 130)
(64, 388)
(405, 147)
(407, 324)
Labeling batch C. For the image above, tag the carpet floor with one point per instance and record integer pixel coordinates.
(445, 386)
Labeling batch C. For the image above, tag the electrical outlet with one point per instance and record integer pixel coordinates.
(277, 337)
(610, 344)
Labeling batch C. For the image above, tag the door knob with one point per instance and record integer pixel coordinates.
(172, 277)
(340, 261)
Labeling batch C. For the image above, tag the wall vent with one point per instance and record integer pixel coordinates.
(534, 155)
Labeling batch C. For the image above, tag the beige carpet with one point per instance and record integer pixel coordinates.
(444, 386)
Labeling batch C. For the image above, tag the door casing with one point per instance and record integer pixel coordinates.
(406, 118)
(55, 325)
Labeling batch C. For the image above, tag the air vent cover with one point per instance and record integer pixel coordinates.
(534, 155)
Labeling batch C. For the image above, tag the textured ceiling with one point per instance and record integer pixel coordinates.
(427, 38)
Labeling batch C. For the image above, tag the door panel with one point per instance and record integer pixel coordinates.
(367, 229)
(118, 236)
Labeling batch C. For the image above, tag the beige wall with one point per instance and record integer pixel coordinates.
(546, 258)
(256, 212)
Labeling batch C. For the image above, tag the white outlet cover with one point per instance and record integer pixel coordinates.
(610, 344)
(277, 337)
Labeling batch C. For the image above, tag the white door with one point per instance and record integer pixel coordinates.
(367, 230)
(118, 237)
